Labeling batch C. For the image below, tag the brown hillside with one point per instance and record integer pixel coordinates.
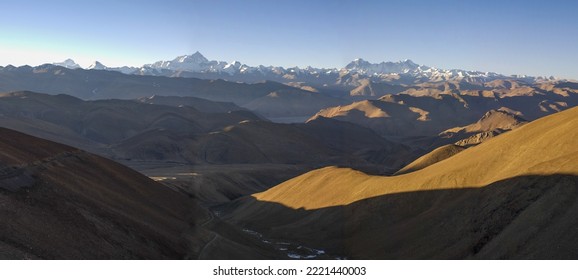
(532, 150)
(493, 123)
(61, 203)
(513, 196)
(492, 120)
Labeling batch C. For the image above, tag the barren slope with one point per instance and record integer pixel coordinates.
(428, 109)
(57, 202)
(541, 148)
(514, 196)
(492, 120)
(493, 123)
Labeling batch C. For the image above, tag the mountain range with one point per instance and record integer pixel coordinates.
(197, 65)
(264, 97)
(197, 159)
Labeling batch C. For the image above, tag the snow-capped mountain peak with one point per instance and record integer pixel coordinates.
(97, 66)
(68, 63)
(192, 63)
(196, 58)
(233, 65)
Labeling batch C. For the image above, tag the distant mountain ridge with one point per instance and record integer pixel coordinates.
(197, 65)
(93, 84)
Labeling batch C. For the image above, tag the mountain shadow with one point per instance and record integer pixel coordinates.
(524, 217)
(58, 202)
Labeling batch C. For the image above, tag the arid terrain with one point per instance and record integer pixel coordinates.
(373, 161)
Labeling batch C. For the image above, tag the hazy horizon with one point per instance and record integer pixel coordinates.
(518, 37)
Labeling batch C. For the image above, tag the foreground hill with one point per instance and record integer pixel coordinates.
(513, 196)
(457, 139)
(57, 202)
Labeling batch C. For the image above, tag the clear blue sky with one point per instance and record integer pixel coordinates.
(510, 37)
